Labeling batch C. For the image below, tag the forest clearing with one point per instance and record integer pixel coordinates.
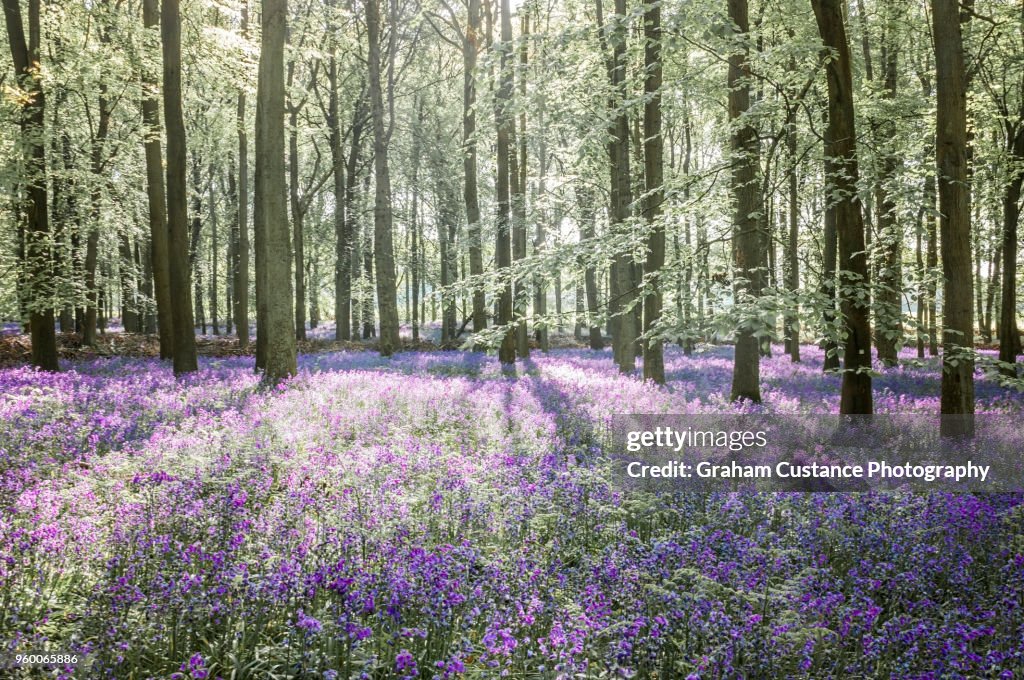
(320, 320)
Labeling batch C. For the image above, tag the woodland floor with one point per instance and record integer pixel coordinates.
(427, 516)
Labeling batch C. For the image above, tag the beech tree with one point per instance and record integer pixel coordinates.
(954, 211)
(273, 245)
(748, 242)
(855, 396)
(26, 58)
(185, 359)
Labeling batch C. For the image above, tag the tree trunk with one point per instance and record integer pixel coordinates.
(37, 250)
(517, 175)
(383, 249)
(177, 218)
(271, 214)
(505, 124)
(214, 246)
(954, 215)
(155, 193)
(856, 394)
(792, 323)
(888, 299)
(748, 244)
(622, 291)
(470, 49)
(194, 244)
(654, 359)
(828, 274)
(241, 308)
(1009, 334)
(298, 230)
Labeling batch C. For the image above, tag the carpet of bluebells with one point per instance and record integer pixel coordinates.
(426, 516)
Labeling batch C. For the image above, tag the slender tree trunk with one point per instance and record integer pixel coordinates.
(654, 360)
(37, 249)
(517, 177)
(954, 215)
(686, 294)
(922, 294)
(828, 275)
(194, 245)
(185, 360)
(1009, 334)
(470, 49)
(505, 124)
(888, 299)
(587, 199)
(622, 291)
(126, 276)
(748, 244)
(232, 249)
(856, 394)
(792, 327)
(271, 215)
(932, 257)
(383, 249)
(155, 192)
(241, 308)
(414, 255)
(214, 247)
(298, 228)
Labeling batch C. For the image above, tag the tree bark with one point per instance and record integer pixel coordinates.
(889, 284)
(586, 199)
(856, 394)
(383, 249)
(622, 293)
(654, 359)
(517, 175)
(1009, 334)
(194, 244)
(747, 241)
(470, 49)
(505, 124)
(792, 323)
(185, 360)
(214, 247)
(954, 215)
(278, 327)
(155, 193)
(298, 226)
(241, 273)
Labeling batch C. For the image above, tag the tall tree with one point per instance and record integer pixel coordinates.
(654, 359)
(889, 284)
(792, 274)
(185, 360)
(954, 213)
(505, 124)
(856, 394)
(25, 56)
(383, 249)
(1009, 333)
(158, 239)
(622, 289)
(517, 180)
(241, 268)
(278, 324)
(748, 244)
(470, 49)
(586, 199)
